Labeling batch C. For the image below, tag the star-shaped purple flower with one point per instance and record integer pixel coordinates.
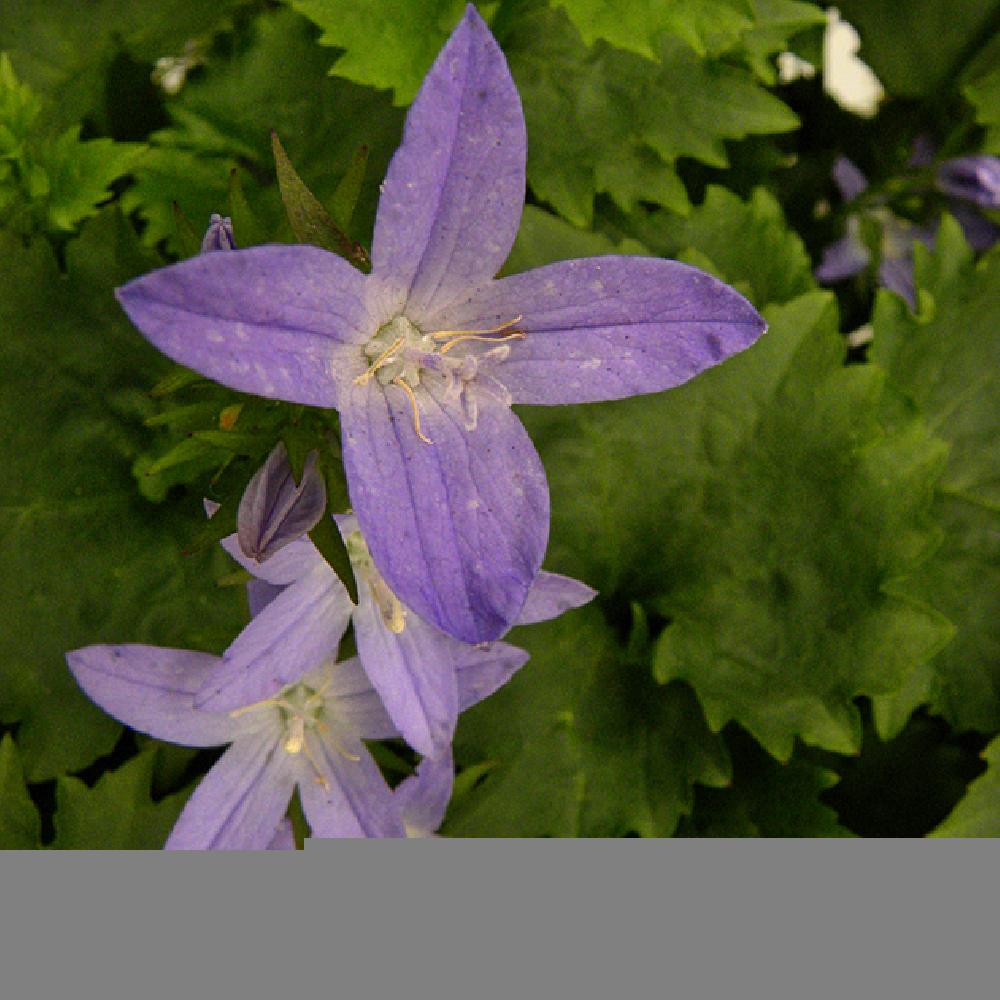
(424, 356)
(307, 735)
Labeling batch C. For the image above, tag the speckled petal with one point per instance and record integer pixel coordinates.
(152, 690)
(278, 321)
(452, 198)
(457, 527)
(607, 327)
(238, 804)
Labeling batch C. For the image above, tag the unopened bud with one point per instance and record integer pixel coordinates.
(219, 235)
(274, 509)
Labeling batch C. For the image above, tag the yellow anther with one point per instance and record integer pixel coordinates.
(416, 410)
(365, 377)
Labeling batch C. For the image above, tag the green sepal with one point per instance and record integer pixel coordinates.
(309, 220)
(188, 241)
(345, 198)
(247, 230)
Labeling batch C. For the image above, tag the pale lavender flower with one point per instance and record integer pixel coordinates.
(219, 235)
(413, 665)
(423, 798)
(424, 356)
(309, 735)
(284, 837)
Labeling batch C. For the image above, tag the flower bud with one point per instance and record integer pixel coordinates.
(274, 510)
(219, 235)
(972, 178)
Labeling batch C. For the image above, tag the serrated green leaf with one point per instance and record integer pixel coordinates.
(409, 36)
(118, 813)
(949, 368)
(747, 241)
(766, 513)
(20, 826)
(584, 744)
(707, 26)
(86, 560)
(608, 120)
(978, 814)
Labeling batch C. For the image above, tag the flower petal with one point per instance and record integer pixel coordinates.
(300, 628)
(260, 593)
(152, 689)
(239, 803)
(423, 798)
(452, 198)
(287, 565)
(354, 802)
(284, 837)
(896, 274)
(458, 527)
(551, 595)
(413, 671)
(842, 259)
(350, 696)
(485, 669)
(607, 327)
(849, 179)
(974, 178)
(278, 321)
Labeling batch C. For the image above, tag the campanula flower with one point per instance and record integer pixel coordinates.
(423, 797)
(424, 356)
(301, 607)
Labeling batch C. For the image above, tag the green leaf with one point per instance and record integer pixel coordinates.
(64, 49)
(117, 814)
(247, 230)
(949, 369)
(764, 510)
(608, 120)
(767, 799)
(917, 48)
(984, 94)
(584, 744)
(388, 44)
(86, 559)
(724, 228)
(978, 814)
(705, 25)
(20, 827)
(275, 79)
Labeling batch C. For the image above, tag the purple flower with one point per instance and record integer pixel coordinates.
(424, 356)
(971, 178)
(308, 735)
(423, 798)
(300, 604)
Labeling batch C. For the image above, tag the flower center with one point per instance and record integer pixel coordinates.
(389, 605)
(402, 354)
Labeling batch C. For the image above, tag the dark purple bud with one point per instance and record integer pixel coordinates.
(274, 510)
(972, 178)
(219, 235)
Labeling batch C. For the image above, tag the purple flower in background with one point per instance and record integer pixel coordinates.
(423, 798)
(971, 178)
(301, 608)
(309, 735)
(424, 357)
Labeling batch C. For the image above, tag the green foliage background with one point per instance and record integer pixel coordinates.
(798, 553)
